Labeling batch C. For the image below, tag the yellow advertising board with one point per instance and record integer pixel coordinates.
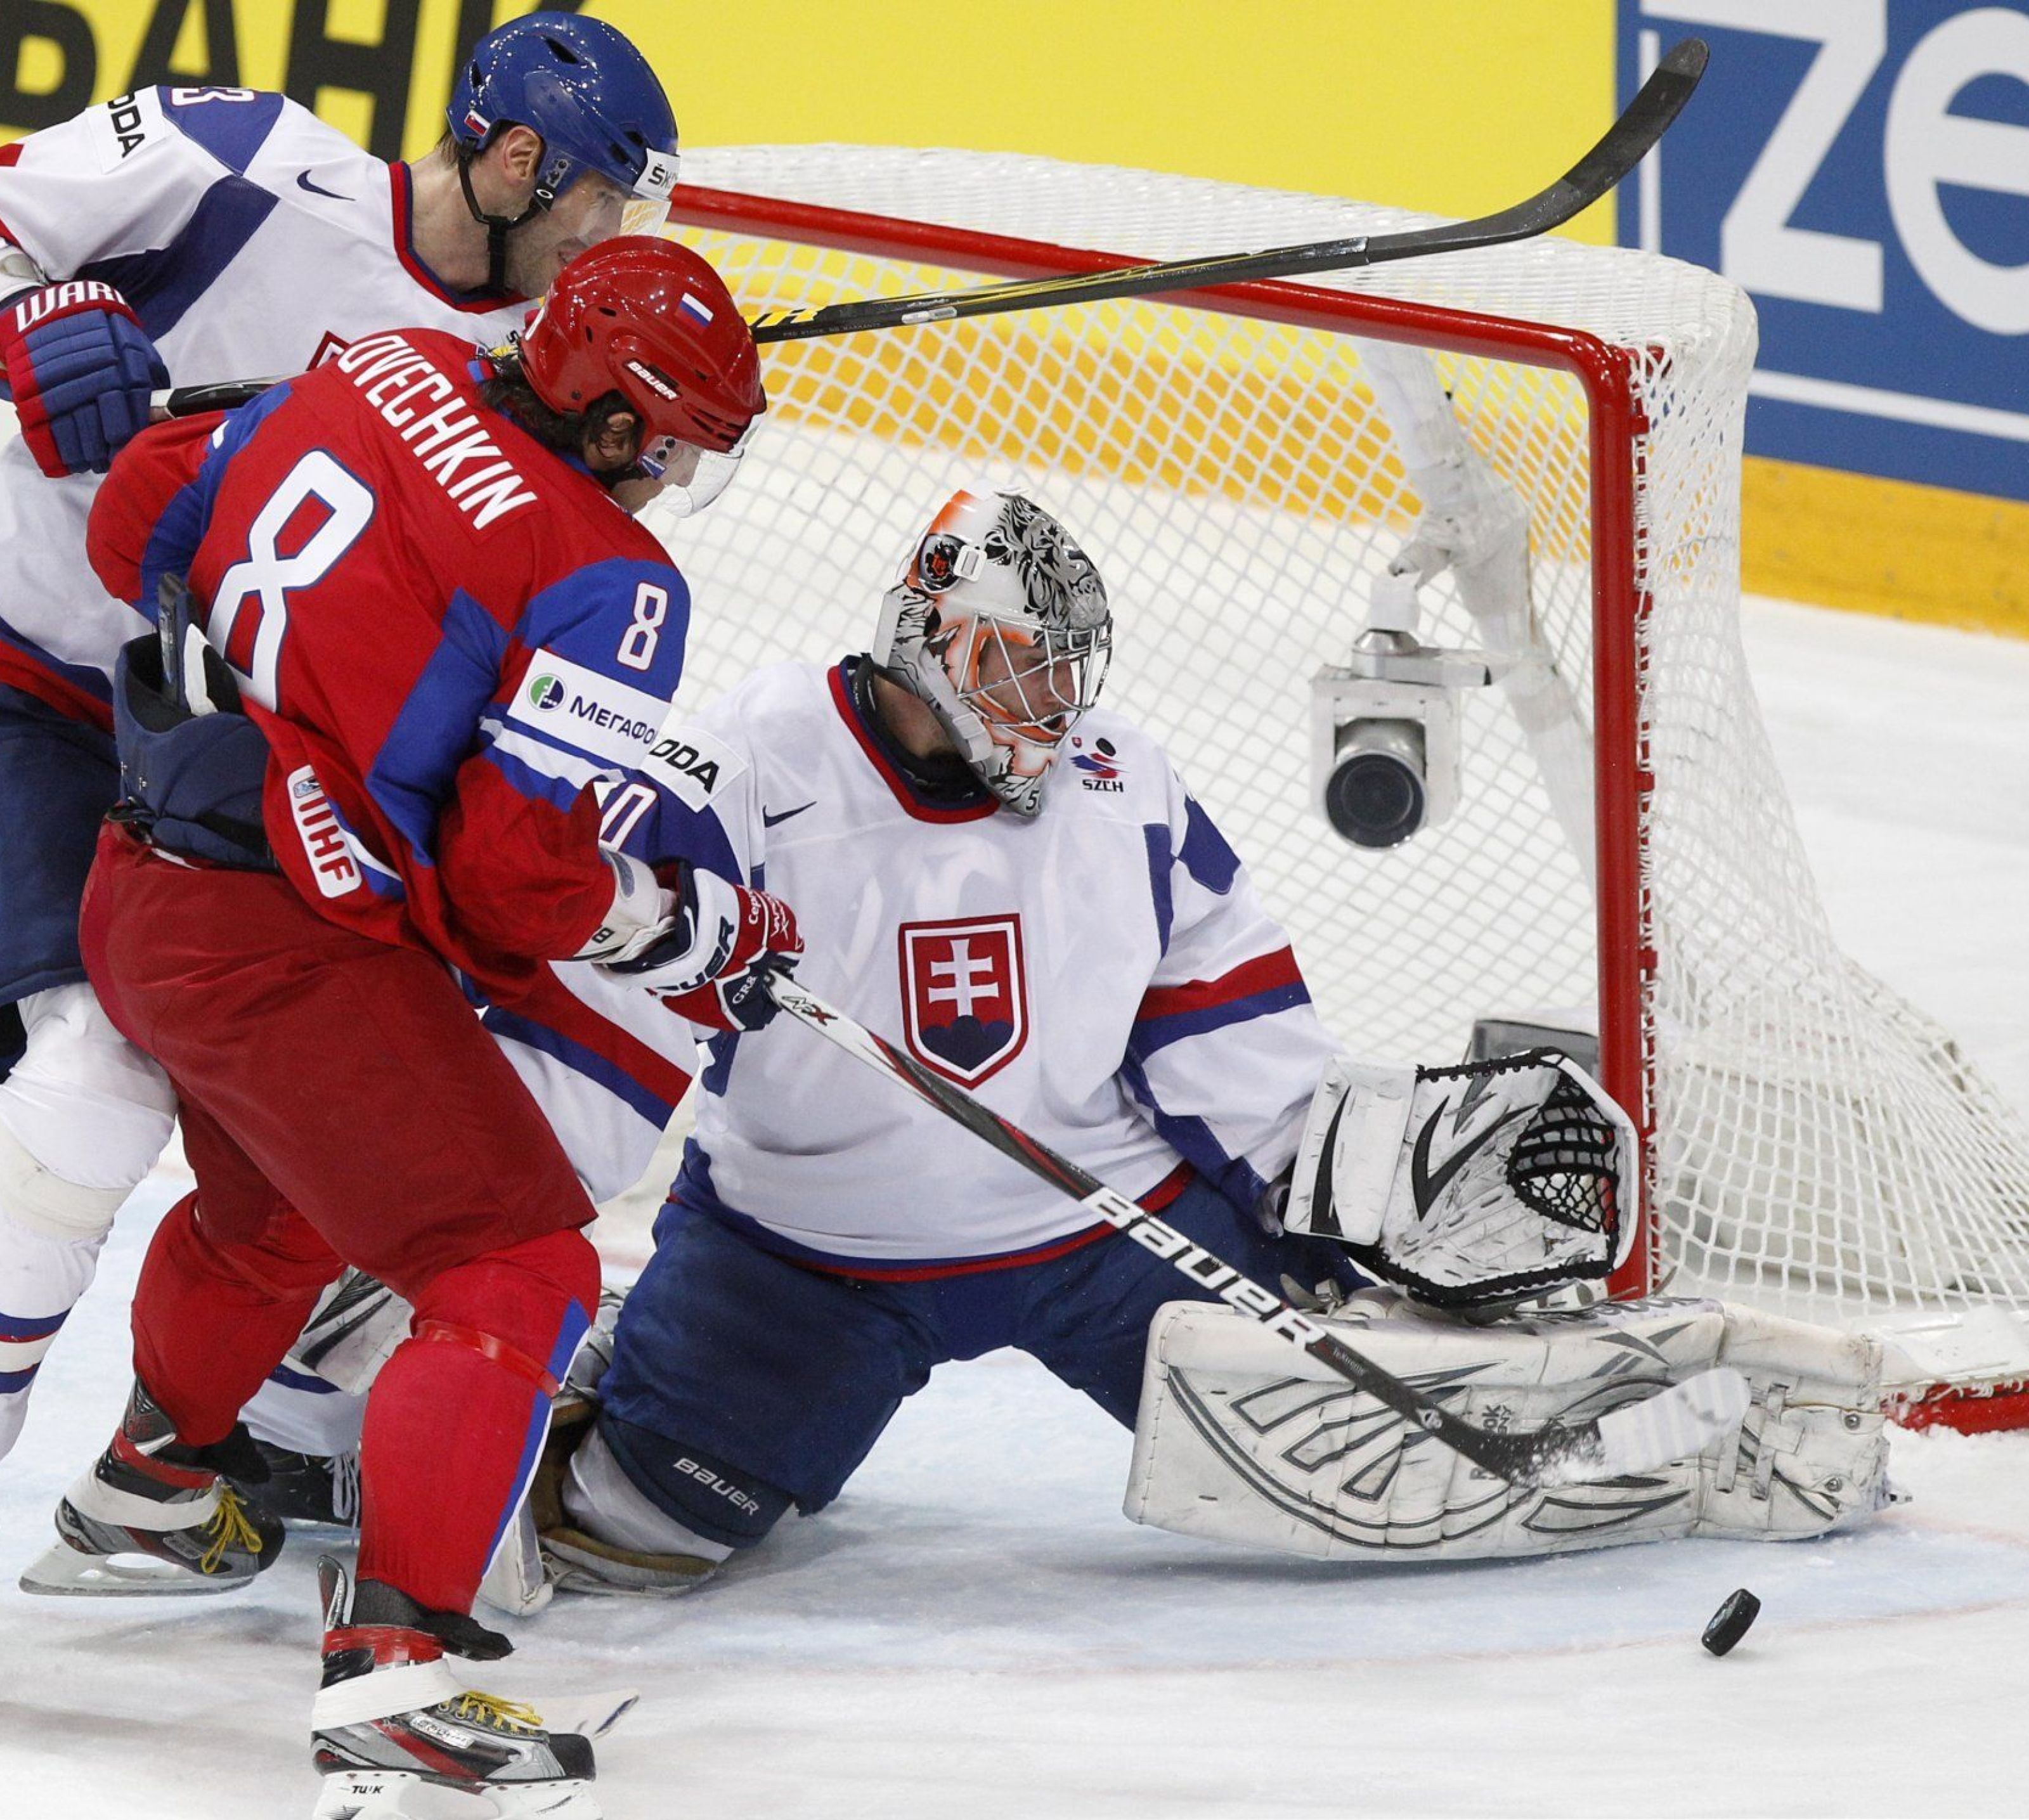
(1446, 106)
(1455, 106)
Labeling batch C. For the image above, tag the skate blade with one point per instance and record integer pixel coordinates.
(396, 1795)
(64, 1571)
(591, 1715)
(365, 1795)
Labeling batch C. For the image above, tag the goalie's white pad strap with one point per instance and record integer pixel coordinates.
(1240, 1439)
(1350, 1150)
(514, 1582)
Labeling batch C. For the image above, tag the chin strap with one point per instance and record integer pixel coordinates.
(498, 228)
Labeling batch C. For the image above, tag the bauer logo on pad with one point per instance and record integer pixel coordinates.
(964, 997)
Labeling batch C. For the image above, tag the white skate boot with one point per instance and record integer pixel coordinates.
(155, 1515)
(393, 1717)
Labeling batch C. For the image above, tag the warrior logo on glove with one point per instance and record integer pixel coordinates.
(80, 369)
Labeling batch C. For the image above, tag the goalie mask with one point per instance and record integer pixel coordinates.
(999, 624)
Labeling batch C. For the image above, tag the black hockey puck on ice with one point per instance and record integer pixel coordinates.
(1729, 1623)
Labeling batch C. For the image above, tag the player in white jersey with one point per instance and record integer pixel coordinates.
(1017, 883)
(207, 234)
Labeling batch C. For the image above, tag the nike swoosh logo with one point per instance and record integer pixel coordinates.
(768, 821)
(1427, 1187)
(304, 183)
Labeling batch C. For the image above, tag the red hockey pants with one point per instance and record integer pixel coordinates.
(342, 1104)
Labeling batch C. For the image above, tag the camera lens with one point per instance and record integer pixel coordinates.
(1374, 796)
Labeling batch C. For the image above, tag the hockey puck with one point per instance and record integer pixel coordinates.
(1729, 1623)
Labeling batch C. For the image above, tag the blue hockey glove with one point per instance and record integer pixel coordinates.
(81, 367)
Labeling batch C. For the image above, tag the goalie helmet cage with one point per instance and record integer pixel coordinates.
(1814, 1145)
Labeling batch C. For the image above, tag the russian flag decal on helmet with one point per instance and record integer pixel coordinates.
(687, 302)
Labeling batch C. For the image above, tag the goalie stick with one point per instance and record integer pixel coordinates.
(1673, 1425)
(1628, 140)
(1647, 116)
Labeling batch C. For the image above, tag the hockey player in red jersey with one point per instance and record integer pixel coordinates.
(200, 235)
(412, 570)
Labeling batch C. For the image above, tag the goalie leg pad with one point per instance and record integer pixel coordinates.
(1240, 1439)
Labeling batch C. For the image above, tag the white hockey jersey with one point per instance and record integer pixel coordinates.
(1102, 975)
(252, 239)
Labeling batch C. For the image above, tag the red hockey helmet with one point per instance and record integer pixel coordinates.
(651, 320)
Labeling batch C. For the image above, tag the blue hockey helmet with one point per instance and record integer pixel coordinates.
(587, 91)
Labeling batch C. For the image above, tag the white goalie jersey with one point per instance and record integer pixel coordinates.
(1103, 975)
(252, 241)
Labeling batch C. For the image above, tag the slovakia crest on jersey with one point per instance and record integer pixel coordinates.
(965, 996)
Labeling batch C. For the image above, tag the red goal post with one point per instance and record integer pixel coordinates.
(1221, 444)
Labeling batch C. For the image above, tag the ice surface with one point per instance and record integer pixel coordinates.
(973, 1630)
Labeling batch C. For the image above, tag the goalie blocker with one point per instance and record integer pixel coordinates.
(1241, 1440)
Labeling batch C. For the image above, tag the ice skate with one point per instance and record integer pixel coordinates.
(155, 1515)
(393, 1719)
(306, 1491)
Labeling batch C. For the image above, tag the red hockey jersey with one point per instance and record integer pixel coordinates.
(447, 632)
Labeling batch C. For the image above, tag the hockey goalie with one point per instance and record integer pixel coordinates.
(1023, 887)
(1015, 880)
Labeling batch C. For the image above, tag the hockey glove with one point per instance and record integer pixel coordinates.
(712, 962)
(1468, 1185)
(81, 367)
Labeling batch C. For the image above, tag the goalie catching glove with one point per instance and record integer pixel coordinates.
(707, 949)
(1483, 1182)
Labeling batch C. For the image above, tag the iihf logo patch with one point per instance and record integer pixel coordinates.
(546, 693)
(965, 994)
(1099, 768)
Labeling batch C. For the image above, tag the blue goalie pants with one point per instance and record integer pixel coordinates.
(782, 1377)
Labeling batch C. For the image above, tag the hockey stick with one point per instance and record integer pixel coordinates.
(191, 401)
(1647, 116)
(1626, 143)
(1674, 1424)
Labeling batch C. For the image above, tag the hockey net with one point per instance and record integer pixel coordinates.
(1816, 1145)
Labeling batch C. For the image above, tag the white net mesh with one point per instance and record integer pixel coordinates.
(1817, 1140)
